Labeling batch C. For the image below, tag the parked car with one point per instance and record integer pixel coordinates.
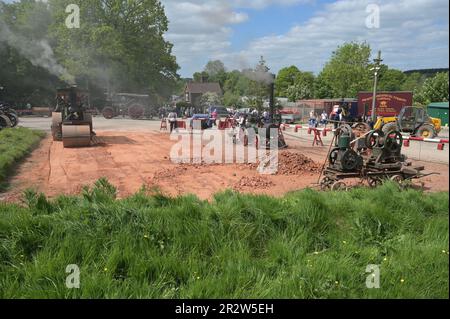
(206, 121)
(290, 118)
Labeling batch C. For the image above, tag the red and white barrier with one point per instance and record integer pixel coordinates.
(423, 139)
(406, 138)
(440, 142)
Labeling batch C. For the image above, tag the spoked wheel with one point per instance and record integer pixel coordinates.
(400, 180)
(136, 111)
(361, 128)
(325, 183)
(338, 186)
(374, 181)
(108, 113)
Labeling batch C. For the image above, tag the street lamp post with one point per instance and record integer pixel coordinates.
(376, 69)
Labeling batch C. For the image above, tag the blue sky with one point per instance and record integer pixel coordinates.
(412, 34)
(274, 19)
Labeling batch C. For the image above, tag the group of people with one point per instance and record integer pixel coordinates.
(315, 120)
(340, 113)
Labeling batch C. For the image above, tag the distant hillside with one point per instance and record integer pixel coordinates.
(427, 72)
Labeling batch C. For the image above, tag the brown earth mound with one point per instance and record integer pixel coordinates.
(290, 163)
(257, 182)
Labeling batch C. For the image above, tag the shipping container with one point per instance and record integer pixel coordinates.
(440, 111)
(387, 103)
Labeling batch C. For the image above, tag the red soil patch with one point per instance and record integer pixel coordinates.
(132, 160)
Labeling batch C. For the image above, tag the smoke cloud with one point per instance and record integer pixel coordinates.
(38, 52)
(259, 76)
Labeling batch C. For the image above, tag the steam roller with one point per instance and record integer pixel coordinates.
(71, 123)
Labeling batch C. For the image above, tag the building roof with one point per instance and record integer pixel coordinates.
(195, 88)
(439, 105)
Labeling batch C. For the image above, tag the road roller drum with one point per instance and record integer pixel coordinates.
(76, 135)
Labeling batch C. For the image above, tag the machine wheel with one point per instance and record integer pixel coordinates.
(373, 140)
(325, 183)
(393, 141)
(338, 186)
(397, 179)
(76, 135)
(374, 181)
(361, 128)
(344, 129)
(426, 131)
(13, 118)
(5, 122)
(333, 156)
(389, 127)
(108, 113)
(350, 160)
(136, 111)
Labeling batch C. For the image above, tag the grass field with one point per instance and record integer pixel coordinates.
(305, 245)
(15, 144)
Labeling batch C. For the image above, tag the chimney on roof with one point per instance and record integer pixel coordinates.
(204, 78)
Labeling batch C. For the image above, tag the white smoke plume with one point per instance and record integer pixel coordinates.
(259, 76)
(38, 52)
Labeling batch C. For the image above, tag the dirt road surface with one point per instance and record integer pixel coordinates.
(132, 159)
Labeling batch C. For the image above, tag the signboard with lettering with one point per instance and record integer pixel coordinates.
(387, 103)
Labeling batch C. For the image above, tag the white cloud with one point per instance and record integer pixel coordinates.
(201, 29)
(413, 33)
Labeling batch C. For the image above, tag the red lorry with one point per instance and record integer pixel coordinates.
(387, 103)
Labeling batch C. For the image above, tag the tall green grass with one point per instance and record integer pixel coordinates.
(305, 245)
(15, 144)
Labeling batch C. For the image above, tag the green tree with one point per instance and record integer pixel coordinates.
(210, 98)
(322, 89)
(201, 77)
(237, 83)
(390, 79)
(413, 82)
(303, 87)
(213, 68)
(434, 89)
(231, 100)
(286, 78)
(348, 71)
(28, 70)
(120, 44)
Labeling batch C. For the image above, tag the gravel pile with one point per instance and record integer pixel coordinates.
(258, 182)
(290, 163)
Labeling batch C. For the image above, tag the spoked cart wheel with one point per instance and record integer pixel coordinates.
(374, 181)
(397, 178)
(325, 183)
(339, 186)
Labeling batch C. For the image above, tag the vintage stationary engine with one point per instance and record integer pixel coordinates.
(343, 158)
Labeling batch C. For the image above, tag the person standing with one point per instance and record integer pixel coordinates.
(324, 118)
(312, 119)
(172, 117)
